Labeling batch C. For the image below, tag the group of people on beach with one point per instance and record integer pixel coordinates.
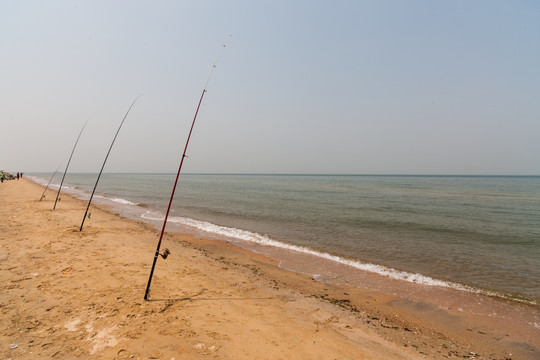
(3, 176)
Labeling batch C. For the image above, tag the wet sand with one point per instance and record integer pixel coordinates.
(67, 294)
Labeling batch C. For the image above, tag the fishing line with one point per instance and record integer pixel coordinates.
(166, 253)
(102, 166)
(215, 62)
(67, 166)
(46, 187)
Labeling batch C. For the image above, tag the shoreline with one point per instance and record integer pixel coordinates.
(260, 242)
(412, 325)
(244, 234)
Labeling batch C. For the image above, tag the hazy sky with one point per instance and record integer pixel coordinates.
(369, 87)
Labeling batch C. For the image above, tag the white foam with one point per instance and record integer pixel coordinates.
(117, 200)
(150, 215)
(43, 182)
(123, 201)
(38, 180)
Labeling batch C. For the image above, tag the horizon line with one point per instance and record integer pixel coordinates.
(309, 174)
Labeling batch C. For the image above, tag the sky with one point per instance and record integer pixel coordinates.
(337, 87)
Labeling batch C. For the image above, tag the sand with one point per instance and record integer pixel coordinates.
(67, 294)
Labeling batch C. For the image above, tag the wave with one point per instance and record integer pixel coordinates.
(78, 191)
(39, 180)
(43, 182)
(264, 240)
(117, 200)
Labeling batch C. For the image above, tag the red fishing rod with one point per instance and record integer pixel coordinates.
(166, 252)
(102, 166)
(46, 187)
(65, 171)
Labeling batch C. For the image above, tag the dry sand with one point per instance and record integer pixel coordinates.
(67, 294)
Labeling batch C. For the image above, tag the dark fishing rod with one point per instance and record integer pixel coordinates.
(166, 252)
(46, 187)
(65, 171)
(102, 166)
(104, 161)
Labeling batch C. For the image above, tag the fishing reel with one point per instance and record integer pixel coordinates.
(165, 254)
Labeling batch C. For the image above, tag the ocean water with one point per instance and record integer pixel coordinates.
(479, 234)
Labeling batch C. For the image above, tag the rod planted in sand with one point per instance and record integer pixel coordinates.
(67, 166)
(147, 292)
(46, 187)
(102, 166)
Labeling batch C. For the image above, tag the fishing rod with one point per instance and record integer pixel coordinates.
(65, 171)
(46, 187)
(166, 252)
(102, 166)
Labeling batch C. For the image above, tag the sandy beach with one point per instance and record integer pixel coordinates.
(67, 294)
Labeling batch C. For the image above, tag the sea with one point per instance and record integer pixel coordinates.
(477, 234)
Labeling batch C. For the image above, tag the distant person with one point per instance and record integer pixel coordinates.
(2, 176)
(17, 176)
(21, 175)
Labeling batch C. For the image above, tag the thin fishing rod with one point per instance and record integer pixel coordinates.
(102, 166)
(147, 292)
(65, 171)
(46, 187)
